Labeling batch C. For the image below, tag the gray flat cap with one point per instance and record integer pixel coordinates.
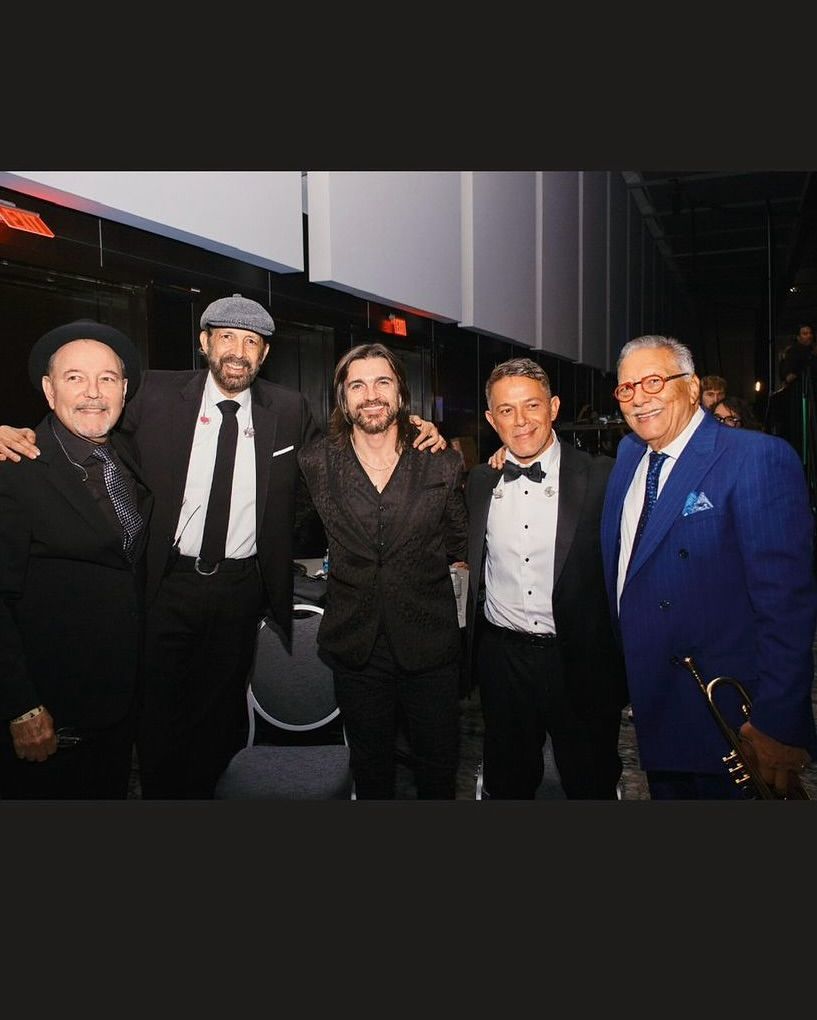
(238, 312)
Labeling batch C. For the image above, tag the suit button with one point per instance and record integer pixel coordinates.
(663, 604)
(683, 554)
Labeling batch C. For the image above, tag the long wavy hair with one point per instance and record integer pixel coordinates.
(340, 423)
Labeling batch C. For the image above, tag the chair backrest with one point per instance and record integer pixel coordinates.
(289, 685)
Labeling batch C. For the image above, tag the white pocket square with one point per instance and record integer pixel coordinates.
(695, 502)
(285, 449)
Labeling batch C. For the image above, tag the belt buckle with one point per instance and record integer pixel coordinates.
(205, 573)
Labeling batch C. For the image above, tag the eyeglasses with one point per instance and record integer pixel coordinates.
(651, 384)
(730, 419)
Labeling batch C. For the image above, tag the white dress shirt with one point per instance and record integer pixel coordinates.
(520, 540)
(241, 531)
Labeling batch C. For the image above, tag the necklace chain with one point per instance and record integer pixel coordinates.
(371, 467)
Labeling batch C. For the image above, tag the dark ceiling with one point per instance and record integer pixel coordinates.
(736, 238)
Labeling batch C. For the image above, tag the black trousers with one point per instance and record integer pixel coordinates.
(523, 695)
(200, 641)
(96, 765)
(371, 700)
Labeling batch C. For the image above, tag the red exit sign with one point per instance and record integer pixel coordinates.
(20, 219)
(394, 324)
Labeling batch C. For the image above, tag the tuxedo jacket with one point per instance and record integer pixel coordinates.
(594, 671)
(723, 572)
(71, 605)
(161, 419)
(395, 575)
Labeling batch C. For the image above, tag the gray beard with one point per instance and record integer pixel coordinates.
(233, 385)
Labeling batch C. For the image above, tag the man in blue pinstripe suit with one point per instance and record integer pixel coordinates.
(732, 505)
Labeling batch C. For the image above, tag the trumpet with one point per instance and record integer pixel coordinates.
(745, 774)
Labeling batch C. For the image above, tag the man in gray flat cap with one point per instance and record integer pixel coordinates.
(219, 554)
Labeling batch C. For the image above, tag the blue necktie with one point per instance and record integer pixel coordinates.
(650, 496)
(123, 503)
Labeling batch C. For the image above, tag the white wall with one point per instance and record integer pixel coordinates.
(593, 309)
(500, 257)
(252, 216)
(546, 259)
(391, 237)
(559, 271)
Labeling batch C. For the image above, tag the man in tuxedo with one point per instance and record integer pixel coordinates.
(204, 610)
(689, 501)
(73, 525)
(395, 520)
(539, 632)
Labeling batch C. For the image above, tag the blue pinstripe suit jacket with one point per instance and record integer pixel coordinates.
(732, 584)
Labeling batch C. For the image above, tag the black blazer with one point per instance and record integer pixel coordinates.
(400, 576)
(161, 419)
(594, 665)
(71, 605)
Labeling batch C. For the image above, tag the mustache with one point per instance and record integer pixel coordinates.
(238, 362)
(91, 406)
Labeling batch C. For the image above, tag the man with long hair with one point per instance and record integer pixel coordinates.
(395, 520)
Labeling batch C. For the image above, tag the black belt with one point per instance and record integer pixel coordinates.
(193, 563)
(520, 636)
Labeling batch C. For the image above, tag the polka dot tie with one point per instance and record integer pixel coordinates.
(123, 502)
(650, 496)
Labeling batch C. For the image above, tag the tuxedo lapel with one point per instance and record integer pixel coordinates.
(265, 424)
(572, 490)
(481, 484)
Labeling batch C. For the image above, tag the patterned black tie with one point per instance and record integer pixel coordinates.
(513, 471)
(123, 503)
(214, 538)
(650, 496)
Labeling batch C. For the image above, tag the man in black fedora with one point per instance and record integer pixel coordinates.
(73, 525)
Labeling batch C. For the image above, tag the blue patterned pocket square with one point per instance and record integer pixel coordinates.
(696, 501)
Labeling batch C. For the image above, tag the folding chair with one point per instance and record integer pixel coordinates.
(296, 748)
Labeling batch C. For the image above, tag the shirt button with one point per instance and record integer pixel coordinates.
(683, 554)
(664, 604)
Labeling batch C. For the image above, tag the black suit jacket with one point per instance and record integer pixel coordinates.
(71, 605)
(594, 666)
(398, 575)
(161, 419)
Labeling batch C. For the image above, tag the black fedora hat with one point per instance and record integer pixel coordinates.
(84, 329)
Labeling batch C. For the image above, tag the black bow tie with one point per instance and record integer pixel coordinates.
(533, 471)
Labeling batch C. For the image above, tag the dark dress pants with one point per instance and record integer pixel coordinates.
(371, 700)
(92, 764)
(201, 634)
(522, 691)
